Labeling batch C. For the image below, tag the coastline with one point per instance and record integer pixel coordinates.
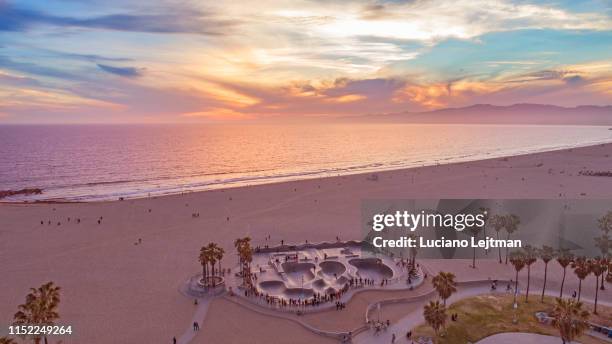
(358, 174)
(116, 288)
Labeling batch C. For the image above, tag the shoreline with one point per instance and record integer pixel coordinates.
(127, 260)
(363, 174)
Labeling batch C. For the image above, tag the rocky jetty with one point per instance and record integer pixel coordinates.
(29, 191)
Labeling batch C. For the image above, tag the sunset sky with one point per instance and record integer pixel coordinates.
(181, 61)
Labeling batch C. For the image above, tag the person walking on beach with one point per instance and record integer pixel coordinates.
(196, 326)
(173, 340)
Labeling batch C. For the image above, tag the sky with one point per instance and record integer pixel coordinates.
(114, 61)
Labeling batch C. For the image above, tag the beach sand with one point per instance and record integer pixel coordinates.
(117, 291)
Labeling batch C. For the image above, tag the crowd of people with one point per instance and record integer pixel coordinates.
(591, 173)
(315, 300)
(360, 282)
(59, 223)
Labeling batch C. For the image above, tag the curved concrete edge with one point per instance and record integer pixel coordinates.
(272, 313)
(319, 245)
(327, 306)
(412, 299)
(187, 289)
(415, 317)
(421, 297)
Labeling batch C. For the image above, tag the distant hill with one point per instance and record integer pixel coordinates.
(513, 114)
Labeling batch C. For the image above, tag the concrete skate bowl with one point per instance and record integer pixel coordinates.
(347, 251)
(319, 284)
(298, 293)
(331, 269)
(298, 272)
(372, 268)
(276, 288)
(330, 290)
(341, 281)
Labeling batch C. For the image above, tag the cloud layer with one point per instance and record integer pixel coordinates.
(185, 20)
(177, 61)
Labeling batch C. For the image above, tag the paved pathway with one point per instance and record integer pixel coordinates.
(199, 316)
(416, 318)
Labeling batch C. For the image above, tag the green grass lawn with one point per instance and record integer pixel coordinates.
(486, 315)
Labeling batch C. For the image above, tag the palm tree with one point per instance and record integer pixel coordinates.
(212, 256)
(216, 254)
(240, 244)
(204, 259)
(605, 223)
(219, 255)
(413, 251)
(7, 340)
(511, 225)
(445, 285)
(531, 256)
(247, 258)
(607, 265)
(40, 308)
(564, 258)
(604, 243)
(245, 255)
(581, 269)
(485, 212)
(498, 223)
(475, 230)
(597, 267)
(517, 259)
(570, 319)
(547, 254)
(435, 315)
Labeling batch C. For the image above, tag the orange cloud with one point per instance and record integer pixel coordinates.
(223, 114)
(49, 99)
(231, 97)
(440, 95)
(347, 98)
(427, 96)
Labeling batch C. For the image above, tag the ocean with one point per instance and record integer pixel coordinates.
(105, 162)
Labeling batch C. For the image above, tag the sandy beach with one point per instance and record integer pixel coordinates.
(117, 291)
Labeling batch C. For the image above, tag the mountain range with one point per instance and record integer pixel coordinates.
(512, 114)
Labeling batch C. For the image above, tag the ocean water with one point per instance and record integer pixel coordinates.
(104, 162)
